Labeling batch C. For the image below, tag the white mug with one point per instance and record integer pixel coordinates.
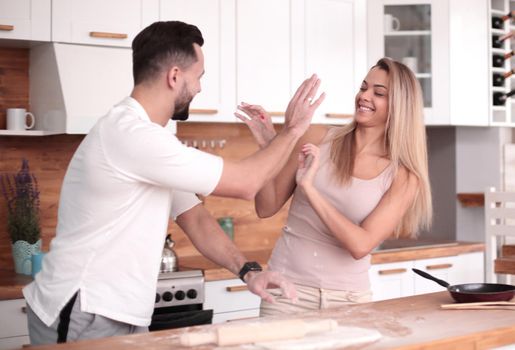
(17, 119)
(391, 23)
(411, 63)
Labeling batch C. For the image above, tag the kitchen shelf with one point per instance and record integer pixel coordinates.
(472, 200)
(29, 132)
(499, 51)
(409, 33)
(498, 31)
(497, 12)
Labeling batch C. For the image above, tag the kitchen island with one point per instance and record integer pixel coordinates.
(415, 322)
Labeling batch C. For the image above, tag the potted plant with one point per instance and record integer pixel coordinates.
(22, 196)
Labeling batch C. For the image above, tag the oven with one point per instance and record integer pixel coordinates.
(179, 301)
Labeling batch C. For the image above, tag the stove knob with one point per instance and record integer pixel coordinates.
(192, 293)
(158, 297)
(180, 295)
(167, 296)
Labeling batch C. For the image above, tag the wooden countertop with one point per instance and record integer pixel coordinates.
(415, 322)
(213, 272)
(11, 284)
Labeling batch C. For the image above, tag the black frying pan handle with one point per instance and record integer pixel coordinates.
(432, 278)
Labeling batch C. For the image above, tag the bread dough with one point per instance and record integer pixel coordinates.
(340, 337)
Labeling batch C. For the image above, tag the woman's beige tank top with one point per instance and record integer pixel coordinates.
(307, 253)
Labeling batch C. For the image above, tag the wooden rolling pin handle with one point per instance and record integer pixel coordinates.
(6, 27)
(196, 339)
(257, 332)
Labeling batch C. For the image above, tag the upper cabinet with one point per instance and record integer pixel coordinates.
(300, 38)
(444, 43)
(25, 19)
(216, 101)
(264, 54)
(98, 22)
(334, 47)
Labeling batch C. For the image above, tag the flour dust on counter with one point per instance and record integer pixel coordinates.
(342, 336)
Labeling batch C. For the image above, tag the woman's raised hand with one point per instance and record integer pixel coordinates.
(302, 106)
(308, 165)
(258, 121)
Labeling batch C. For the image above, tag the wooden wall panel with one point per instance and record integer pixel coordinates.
(49, 157)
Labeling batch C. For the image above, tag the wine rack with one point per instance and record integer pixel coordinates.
(501, 81)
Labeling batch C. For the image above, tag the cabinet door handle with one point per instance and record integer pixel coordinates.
(6, 27)
(392, 271)
(438, 266)
(106, 35)
(338, 115)
(24, 309)
(237, 288)
(203, 111)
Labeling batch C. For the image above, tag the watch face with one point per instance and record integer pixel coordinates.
(254, 266)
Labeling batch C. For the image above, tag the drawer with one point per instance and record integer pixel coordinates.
(13, 319)
(235, 315)
(14, 342)
(229, 295)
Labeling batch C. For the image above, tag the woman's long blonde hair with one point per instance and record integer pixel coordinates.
(405, 141)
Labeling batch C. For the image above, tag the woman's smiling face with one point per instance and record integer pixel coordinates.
(372, 99)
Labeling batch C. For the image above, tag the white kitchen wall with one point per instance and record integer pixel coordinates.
(479, 164)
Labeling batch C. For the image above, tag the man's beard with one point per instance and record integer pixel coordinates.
(182, 106)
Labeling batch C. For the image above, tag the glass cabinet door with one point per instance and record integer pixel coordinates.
(407, 39)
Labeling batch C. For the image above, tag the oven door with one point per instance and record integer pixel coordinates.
(171, 317)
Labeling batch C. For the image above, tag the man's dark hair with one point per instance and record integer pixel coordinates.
(161, 45)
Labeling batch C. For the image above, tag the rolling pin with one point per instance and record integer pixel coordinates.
(257, 332)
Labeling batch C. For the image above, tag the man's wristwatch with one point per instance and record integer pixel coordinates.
(249, 266)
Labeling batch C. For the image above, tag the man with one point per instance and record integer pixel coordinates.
(128, 176)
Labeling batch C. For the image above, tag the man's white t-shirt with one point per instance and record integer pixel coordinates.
(126, 179)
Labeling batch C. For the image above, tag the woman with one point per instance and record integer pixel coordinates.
(353, 187)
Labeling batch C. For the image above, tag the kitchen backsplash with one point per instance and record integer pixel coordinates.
(49, 157)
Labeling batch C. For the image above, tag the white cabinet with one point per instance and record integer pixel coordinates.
(335, 49)
(395, 280)
(216, 101)
(230, 300)
(391, 280)
(25, 19)
(13, 324)
(445, 268)
(264, 54)
(449, 46)
(98, 22)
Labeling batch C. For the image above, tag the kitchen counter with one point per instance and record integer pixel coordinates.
(415, 322)
(11, 284)
(388, 252)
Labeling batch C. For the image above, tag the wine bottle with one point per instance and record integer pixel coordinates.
(498, 60)
(498, 79)
(500, 97)
(497, 23)
(497, 41)
(510, 14)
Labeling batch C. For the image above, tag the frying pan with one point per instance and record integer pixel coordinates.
(474, 292)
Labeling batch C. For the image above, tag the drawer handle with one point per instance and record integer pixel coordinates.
(241, 288)
(6, 27)
(338, 115)
(24, 309)
(392, 271)
(438, 266)
(203, 111)
(106, 35)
